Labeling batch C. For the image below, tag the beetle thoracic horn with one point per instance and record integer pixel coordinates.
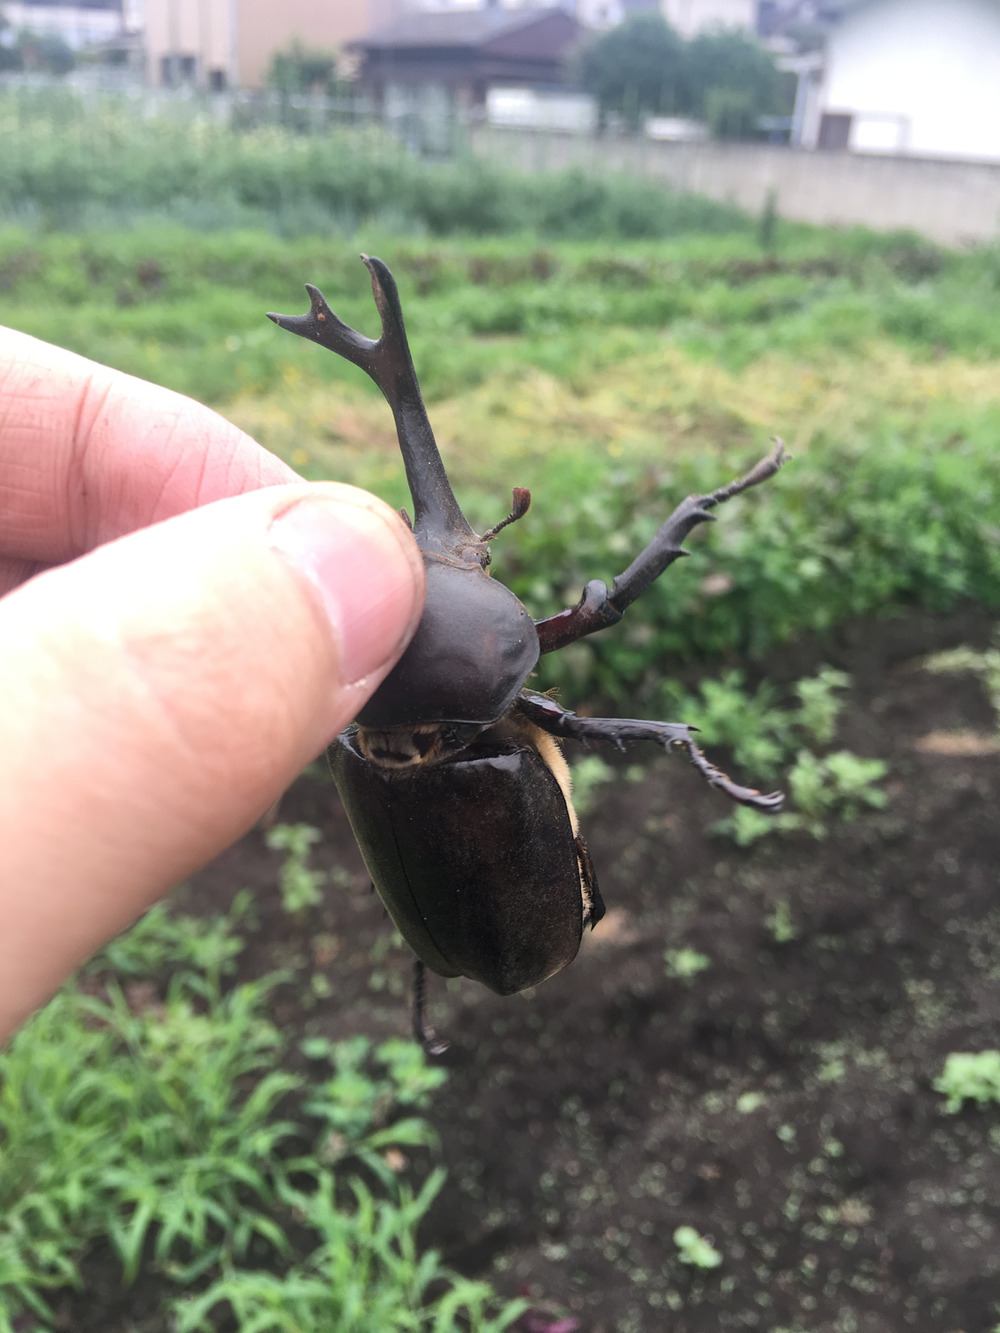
(437, 516)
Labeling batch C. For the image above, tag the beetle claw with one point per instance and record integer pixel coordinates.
(422, 1030)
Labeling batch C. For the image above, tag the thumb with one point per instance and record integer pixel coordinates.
(162, 691)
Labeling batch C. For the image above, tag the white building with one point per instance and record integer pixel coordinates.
(79, 25)
(690, 17)
(918, 77)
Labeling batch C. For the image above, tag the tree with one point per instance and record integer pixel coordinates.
(733, 82)
(10, 56)
(300, 69)
(636, 69)
(45, 52)
(724, 78)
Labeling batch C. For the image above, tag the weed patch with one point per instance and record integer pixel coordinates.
(159, 1121)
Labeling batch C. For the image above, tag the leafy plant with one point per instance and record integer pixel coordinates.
(300, 885)
(685, 963)
(781, 924)
(163, 939)
(752, 726)
(819, 706)
(365, 1276)
(968, 1078)
(164, 1124)
(694, 1249)
(821, 788)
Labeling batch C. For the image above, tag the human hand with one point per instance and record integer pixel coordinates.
(186, 624)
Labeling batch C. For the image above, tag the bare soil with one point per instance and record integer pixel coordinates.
(780, 1101)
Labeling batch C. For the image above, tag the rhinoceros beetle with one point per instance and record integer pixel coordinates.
(452, 777)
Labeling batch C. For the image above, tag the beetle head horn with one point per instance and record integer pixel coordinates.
(438, 521)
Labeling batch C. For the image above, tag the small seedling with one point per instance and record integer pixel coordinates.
(301, 886)
(970, 1078)
(694, 1249)
(823, 789)
(685, 963)
(819, 707)
(781, 924)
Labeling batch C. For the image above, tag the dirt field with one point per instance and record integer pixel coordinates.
(779, 1101)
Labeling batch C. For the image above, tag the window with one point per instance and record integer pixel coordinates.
(835, 131)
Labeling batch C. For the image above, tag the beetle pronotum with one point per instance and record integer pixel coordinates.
(452, 777)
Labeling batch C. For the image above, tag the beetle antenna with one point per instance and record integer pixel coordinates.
(387, 360)
(522, 500)
(422, 1030)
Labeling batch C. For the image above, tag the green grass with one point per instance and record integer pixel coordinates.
(159, 1122)
(610, 373)
(69, 164)
(611, 381)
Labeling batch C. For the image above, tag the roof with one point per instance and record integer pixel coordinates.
(452, 28)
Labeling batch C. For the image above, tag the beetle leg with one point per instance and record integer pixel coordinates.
(548, 715)
(422, 1030)
(600, 606)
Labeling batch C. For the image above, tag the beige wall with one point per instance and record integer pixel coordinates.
(240, 36)
(198, 28)
(266, 26)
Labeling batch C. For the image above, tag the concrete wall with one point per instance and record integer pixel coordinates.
(949, 201)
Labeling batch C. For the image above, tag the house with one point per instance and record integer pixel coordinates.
(81, 25)
(916, 77)
(220, 44)
(452, 58)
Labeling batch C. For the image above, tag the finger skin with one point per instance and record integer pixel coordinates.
(88, 454)
(160, 692)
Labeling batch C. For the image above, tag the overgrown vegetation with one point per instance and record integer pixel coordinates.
(149, 1111)
(875, 357)
(67, 166)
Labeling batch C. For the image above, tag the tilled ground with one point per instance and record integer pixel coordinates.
(779, 1101)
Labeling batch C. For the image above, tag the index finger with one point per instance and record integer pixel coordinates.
(88, 454)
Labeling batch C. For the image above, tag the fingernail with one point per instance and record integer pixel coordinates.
(366, 576)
